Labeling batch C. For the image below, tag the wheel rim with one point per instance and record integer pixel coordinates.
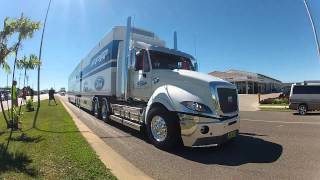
(96, 108)
(302, 109)
(104, 112)
(159, 128)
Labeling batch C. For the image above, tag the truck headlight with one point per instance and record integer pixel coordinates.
(195, 106)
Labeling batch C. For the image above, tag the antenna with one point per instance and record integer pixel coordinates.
(195, 50)
(195, 46)
(313, 26)
(175, 40)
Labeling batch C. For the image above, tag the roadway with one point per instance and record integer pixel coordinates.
(271, 145)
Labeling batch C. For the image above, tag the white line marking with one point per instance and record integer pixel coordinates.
(281, 122)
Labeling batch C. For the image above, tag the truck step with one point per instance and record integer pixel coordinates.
(125, 122)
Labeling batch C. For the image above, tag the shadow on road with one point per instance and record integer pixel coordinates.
(308, 114)
(17, 162)
(244, 149)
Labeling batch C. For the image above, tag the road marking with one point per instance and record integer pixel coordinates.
(281, 122)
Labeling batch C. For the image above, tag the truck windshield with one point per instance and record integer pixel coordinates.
(160, 60)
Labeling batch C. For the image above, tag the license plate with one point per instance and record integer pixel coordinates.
(232, 134)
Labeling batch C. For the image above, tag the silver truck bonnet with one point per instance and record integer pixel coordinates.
(199, 76)
(202, 88)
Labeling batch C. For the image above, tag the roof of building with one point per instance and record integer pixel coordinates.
(237, 75)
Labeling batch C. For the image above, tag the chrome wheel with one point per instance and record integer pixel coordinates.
(159, 128)
(96, 109)
(104, 112)
(302, 109)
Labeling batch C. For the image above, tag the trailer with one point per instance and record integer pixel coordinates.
(132, 78)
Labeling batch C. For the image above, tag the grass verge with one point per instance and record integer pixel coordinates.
(275, 109)
(53, 150)
(274, 104)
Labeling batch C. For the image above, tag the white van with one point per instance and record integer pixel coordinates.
(304, 98)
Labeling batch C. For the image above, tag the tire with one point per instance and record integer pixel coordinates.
(96, 109)
(302, 109)
(105, 111)
(167, 122)
(76, 102)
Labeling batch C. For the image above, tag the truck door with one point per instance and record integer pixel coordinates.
(142, 76)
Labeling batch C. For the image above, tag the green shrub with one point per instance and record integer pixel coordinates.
(29, 105)
(283, 101)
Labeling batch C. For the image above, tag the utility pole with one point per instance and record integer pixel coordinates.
(313, 26)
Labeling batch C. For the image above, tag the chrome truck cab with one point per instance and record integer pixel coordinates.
(206, 107)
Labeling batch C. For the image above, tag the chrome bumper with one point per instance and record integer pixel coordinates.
(202, 131)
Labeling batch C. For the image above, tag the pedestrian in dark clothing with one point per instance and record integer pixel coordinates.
(51, 96)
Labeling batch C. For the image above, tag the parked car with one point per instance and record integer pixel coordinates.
(5, 95)
(304, 98)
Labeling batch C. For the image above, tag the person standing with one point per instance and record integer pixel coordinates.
(51, 96)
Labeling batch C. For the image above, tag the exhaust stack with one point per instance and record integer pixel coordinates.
(175, 40)
(126, 60)
(122, 64)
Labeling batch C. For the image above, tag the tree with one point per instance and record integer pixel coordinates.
(40, 52)
(9, 27)
(25, 29)
(27, 63)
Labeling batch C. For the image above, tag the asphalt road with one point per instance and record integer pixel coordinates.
(271, 145)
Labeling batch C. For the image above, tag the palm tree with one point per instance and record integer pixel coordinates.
(8, 29)
(40, 52)
(25, 29)
(27, 63)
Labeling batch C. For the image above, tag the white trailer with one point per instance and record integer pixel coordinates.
(131, 77)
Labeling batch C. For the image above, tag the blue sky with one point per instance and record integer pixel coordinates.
(270, 37)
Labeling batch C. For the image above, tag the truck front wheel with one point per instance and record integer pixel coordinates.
(105, 111)
(163, 128)
(96, 109)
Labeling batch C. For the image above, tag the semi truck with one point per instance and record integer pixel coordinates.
(132, 78)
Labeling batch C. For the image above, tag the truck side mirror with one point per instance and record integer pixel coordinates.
(138, 61)
(196, 66)
(132, 59)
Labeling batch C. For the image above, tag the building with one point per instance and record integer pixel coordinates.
(250, 83)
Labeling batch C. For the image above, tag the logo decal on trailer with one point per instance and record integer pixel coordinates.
(98, 84)
(141, 83)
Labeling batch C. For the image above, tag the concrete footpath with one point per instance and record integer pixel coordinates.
(119, 166)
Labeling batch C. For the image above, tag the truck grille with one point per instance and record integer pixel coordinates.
(228, 99)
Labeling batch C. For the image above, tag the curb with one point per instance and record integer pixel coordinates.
(119, 166)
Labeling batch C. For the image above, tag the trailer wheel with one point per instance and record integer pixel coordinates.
(163, 128)
(105, 111)
(96, 109)
(77, 102)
